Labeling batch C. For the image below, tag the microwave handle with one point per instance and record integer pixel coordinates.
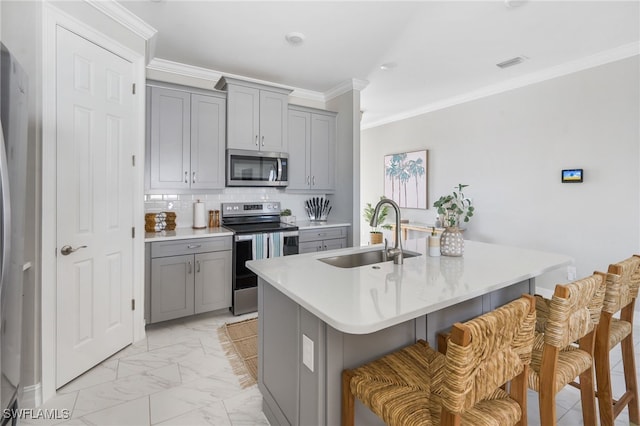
(279, 179)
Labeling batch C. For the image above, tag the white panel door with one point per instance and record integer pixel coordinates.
(94, 204)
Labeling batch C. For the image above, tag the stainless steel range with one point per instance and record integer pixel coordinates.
(259, 234)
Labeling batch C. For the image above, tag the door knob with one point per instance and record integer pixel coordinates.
(67, 250)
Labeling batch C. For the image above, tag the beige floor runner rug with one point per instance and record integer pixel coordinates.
(240, 343)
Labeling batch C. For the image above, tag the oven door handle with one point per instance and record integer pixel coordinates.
(244, 237)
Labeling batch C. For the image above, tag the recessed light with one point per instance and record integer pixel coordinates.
(387, 66)
(295, 38)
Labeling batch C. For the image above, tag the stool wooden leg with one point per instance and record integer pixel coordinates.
(518, 392)
(603, 378)
(630, 378)
(588, 397)
(348, 400)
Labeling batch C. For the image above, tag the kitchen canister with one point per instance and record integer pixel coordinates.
(434, 245)
(199, 221)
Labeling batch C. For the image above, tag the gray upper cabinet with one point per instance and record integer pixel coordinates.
(186, 139)
(257, 116)
(312, 149)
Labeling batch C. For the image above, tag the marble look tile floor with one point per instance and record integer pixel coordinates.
(179, 375)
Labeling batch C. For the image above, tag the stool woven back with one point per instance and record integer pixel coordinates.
(499, 349)
(417, 386)
(572, 315)
(623, 281)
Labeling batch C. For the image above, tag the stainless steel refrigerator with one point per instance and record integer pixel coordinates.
(13, 156)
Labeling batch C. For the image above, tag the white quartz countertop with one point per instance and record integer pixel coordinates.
(370, 298)
(186, 233)
(306, 224)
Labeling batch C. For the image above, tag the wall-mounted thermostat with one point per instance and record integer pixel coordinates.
(572, 175)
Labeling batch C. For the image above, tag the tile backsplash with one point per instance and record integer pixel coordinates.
(182, 204)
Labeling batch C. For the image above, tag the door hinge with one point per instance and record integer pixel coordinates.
(133, 90)
(133, 304)
(133, 160)
(133, 232)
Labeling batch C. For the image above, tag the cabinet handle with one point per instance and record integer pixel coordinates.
(319, 248)
(314, 181)
(325, 248)
(308, 180)
(194, 246)
(256, 140)
(194, 177)
(189, 267)
(186, 177)
(198, 266)
(263, 141)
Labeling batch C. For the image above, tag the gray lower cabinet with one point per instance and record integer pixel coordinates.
(188, 277)
(322, 239)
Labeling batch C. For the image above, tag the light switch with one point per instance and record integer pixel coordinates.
(307, 352)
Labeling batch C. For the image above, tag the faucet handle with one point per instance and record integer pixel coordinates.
(386, 244)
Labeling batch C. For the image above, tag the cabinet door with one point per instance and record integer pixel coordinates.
(243, 125)
(323, 148)
(273, 121)
(171, 287)
(212, 281)
(207, 142)
(334, 244)
(299, 138)
(169, 139)
(309, 247)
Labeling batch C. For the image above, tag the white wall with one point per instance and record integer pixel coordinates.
(510, 149)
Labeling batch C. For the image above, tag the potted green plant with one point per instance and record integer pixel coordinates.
(375, 235)
(286, 217)
(453, 209)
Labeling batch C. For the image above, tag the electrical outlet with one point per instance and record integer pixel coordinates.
(571, 273)
(307, 352)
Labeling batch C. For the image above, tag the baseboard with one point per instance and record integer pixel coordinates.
(31, 396)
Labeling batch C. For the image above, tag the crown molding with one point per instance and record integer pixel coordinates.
(127, 19)
(164, 65)
(346, 86)
(602, 58)
(124, 17)
(309, 94)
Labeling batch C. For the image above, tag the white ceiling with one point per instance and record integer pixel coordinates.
(444, 50)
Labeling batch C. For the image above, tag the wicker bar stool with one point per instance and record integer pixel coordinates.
(419, 386)
(623, 281)
(570, 316)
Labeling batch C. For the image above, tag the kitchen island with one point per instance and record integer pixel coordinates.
(316, 319)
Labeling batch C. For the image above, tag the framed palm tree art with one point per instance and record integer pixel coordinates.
(405, 179)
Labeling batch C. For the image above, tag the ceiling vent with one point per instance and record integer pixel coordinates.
(511, 62)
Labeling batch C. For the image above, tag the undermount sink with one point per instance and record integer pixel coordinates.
(363, 258)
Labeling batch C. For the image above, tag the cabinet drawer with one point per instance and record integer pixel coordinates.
(322, 234)
(190, 246)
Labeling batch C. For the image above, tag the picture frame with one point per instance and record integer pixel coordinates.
(406, 179)
(572, 176)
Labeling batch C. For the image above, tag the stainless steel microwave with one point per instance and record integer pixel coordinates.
(257, 168)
